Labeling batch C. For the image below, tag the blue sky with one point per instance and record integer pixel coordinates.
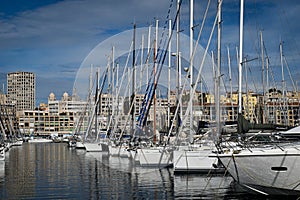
(53, 37)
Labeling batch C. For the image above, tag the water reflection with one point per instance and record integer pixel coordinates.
(2, 170)
(53, 171)
(200, 186)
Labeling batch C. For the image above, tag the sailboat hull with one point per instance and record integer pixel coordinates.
(93, 147)
(197, 161)
(267, 170)
(120, 151)
(155, 157)
(79, 145)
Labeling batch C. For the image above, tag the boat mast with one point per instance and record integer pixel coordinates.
(230, 81)
(283, 85)
(263, 74)
(133, 81)
(148, 53)
(191, 67)
(215, 84)
(282, 71)
(113, 83)
(142, 60)
(178, 64)
(97, 103)
(108, 93)
(155, 65)
(117, 88)
(241, 62)
(169, 74)
(218, 113)
(267, 85)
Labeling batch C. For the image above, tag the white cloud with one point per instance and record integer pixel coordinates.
(65, 32)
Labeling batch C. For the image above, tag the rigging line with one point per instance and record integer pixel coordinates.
(128, 117)
(252, 37)
(223, 81)
(201, 66)
(147, 92)
(119, 89)
(158, 50)
(254, 84)
(116, 124)
(163, 32)
(288, 68)
(125, 68)
(164, 57)
(200, 31)
(278, 172)
(144, 106)
(270, 68)
(146, 98)
(97, 100)
(191, 59)
(287, 23)
(272, 74)
(197, 80)
(243, 168)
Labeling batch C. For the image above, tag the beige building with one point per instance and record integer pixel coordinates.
(41, 123)
(21, 90)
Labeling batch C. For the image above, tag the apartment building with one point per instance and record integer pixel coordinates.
(21, 90)
(41, 123)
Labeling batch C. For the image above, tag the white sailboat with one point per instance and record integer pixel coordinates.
(195, 159)
(194, 156)
(154, 155)
(94, 145)
(269, 169)
(122, 150)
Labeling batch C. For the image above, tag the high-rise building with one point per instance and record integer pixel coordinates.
(21, 90)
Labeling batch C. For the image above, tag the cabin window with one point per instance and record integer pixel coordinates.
(279, 169)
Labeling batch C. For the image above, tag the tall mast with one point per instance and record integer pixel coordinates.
(169, 74)
(218, 113)
(246, 85)
(108, 91)
(113, 81)
(155, 65)
(178, 62)
(282, 71)
(142, 60)
(283, 85)
(191, 66)
(148, 53)
(215, 82)
(133, 81)
(267, 85)
(117, 88)
(97, 103)
(263, 74)
(241, 55)
(230, 81)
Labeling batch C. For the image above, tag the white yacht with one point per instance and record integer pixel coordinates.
(267, 170)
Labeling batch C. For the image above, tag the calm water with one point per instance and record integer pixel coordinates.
(54, 171)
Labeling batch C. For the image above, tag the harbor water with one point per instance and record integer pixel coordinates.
(55, 171)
